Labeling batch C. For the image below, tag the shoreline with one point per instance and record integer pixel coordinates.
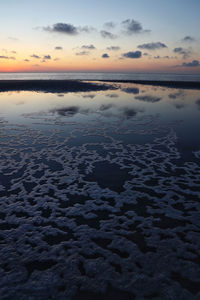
(63, 86)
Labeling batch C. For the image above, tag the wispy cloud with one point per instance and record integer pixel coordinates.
(88, 47)
(7, 57)
(81, 53)
(188, 39)
(109, 25)
(35, 56)
(184, 52)
(58, 48)
(113, 48)
(132, 26)
(152, 46)
(107, 34)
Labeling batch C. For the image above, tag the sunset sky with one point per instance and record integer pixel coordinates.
(100, 35)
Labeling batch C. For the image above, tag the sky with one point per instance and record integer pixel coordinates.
(100, 36)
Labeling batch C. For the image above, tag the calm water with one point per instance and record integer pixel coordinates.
(102, 76)
(100, 194)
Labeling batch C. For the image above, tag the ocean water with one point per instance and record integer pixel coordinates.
(101, 76)
(99, 194)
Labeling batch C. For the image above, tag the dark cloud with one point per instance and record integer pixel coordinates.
(157, 57)
(88, 47)
(113, 48)
(107, 34)
(184, 52)
(26, 60)
(58, 48)
(47, 57)
(62, 28)
(133, 26)
(109, 25)
(194, 63)
(131, 90)
(132, 54)
(69, 111)
(188, 39)
(35, 56)
(148, 98)
(105, 55)
(7, 57)
(81, 53)
(152, 46)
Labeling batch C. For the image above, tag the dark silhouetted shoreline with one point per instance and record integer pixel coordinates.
(52, 86)
(64, 86)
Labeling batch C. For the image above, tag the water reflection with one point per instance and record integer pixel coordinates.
(100, 188)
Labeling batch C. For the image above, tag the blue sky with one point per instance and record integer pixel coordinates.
(23, 26)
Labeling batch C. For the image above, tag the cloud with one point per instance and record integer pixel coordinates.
(26, 60)
(13, 39)
(133, 26)
(47, 57)
(82, 53)
(194, 63)
(132, 54)
(109, 25)
(56, 59)
(64, 28)
(131, 90)
(152, 46)
(157, 57)
(185, 52)
(88, 47)
(7, 57)
(14, 52)
(86, 29)
(35, 56)
(148, 98)
(188, 39)
(106, 34)
(36, 65)
(113, 48)
(58, 48)
(69, 29)
(105, 55)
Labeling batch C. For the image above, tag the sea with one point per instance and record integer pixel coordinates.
(101, 76)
